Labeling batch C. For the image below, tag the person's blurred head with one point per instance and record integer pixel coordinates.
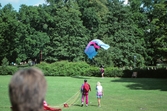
(98, 84)
(101, 66)
(27, 90)
(85, 80)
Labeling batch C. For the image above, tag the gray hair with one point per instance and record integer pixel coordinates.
(27, 90)
(98, 84)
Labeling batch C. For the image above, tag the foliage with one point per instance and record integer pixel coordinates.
(5, 62)
(160, 21)
(60, 30)
(125, 37)
(64, 68)
(113, 72)
(72, 69)
(9, 70)
(92, 71)
(155, 30)
(8, 28)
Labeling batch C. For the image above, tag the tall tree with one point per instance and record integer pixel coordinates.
(8, 27)
(66, 32)
(93, 14)
(126, 44)
(160, 23)
(30, 38)
(155, 30)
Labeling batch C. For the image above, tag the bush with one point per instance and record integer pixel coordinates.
(93, 71)
(45, 67)
(113, 72)
(8, 70)
(64, 68)
(5, 62)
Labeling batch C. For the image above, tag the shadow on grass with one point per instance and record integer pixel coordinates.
(93, 105)
(80, 77)
(144, 83)
(79, 105)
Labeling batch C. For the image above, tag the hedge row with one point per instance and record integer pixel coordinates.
(152, 73)
(8, 70)
(65, 68)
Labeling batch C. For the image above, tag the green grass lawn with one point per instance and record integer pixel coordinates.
(120, 94)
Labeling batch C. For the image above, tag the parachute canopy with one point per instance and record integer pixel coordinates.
(93, 46)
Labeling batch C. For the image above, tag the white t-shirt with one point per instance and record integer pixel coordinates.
(99, 89)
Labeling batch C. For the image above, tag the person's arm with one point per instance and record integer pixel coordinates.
(81, 88)
(89, 87)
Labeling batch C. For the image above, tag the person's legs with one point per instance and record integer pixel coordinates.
(87, 99)
(98, 99)
(82, 100)
(102, 75)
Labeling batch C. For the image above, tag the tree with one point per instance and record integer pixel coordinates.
(155, 30)
(66, 32)
(93, 14)
(124, 36)
(8, 27)
(160, 22)
(30, 38)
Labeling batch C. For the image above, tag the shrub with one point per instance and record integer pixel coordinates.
(93, 71)
(8, 70)
(113, 72)
(64, 68)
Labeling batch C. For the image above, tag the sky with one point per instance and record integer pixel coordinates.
(16, 3)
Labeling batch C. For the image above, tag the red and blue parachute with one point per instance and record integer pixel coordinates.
(93, 46)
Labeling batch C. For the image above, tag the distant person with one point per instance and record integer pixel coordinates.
(27, 90)
(102, 71)
(99, 93)
(85, 88)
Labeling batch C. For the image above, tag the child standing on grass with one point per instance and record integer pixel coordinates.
(99, 93)
(85, 88)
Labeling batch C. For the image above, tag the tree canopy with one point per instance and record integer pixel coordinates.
(61, 29)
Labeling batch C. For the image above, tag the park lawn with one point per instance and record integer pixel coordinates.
(120, 94)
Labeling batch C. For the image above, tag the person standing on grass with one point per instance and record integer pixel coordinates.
(85, 88)
(99, 93)
(102, 71)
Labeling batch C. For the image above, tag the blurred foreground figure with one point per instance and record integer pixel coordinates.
(27, 90)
